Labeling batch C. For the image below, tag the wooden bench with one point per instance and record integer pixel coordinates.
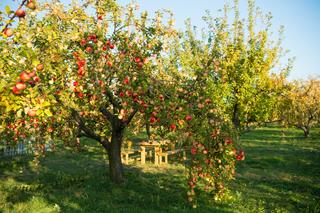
(165, 155)
(125, 156)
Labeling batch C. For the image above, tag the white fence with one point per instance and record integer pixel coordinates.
(20, 149)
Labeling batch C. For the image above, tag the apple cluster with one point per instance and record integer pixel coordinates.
(27, 77)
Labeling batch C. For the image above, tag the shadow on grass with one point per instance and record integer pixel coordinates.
(276, 176)
(79, 182)
(280, 172)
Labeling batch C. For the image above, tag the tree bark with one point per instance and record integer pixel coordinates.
(235, 116)
(114, 153)
(306, 132)
(148, 130)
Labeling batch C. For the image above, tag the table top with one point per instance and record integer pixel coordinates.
(154, 143)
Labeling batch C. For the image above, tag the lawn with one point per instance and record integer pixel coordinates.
(281, 173)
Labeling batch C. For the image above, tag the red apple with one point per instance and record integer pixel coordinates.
(81, 63)
(83, 42)
(81, 71)
(32, 83)
(228, 141)
(20, 13)
(80, 95)
(24, 76)
(8, 32)
(31, 5)
(140, 65)
(121, 94)
(240, 156)
(193, 150)
(109, 63)
(173, 127)
(152, 120)
(16, 91)
(111, 46)
(126, 80)
(200, 106)
(208, 101)
(75, 54)
(21, 86)
(92, 37)
(188, 118)
(137, 59)
(36, 79)
(89, 49)
(40, 67)
(207, 161)
(75, 83)
(128, 93)
(32, 112)
(32, 74)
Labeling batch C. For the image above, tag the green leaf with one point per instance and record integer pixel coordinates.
(8, 10)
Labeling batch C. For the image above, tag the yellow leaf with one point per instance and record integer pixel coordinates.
(35, 62)
(48, 112)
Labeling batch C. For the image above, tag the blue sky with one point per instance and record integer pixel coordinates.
(301, 19)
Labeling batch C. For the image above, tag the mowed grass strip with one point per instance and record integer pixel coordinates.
(281, 173)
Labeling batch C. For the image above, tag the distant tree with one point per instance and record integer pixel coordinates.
(300, 105)
(246, 59)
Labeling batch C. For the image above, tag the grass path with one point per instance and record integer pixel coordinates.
(280, 174)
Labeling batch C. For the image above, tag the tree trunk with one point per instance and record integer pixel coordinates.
(148, 130)
(306, 131)
(235, 116)
(114, 152)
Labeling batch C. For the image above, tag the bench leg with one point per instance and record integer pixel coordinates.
(166, 158)
(156, 156)
(127, 159)
(156, 159)
(143, 155)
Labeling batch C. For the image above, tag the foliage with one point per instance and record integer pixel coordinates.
(300, 105)
(242, 59)
(92, 69)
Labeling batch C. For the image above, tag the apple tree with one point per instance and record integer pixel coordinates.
(95, 68)
(244, 58)
(300, 105)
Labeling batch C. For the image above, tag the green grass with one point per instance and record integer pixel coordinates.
(280, 174)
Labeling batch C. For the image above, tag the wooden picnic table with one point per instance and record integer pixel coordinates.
(156, 147)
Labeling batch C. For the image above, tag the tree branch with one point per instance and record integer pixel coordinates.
(113, 100)
(131, 117)
(89, 132)
(110, 117)
(14, 15)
